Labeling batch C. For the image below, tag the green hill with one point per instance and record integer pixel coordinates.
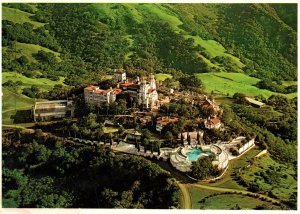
(227, 84)
(18, 16)
(189, 38)
(76, 44)
(24, 49)
(43, 84)
(13, 102)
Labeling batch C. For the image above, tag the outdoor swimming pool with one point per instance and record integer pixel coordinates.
(194, 154)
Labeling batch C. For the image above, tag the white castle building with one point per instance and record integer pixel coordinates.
(96, 96)
(143, 92)
(148, 96)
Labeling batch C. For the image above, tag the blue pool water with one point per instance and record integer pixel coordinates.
(194, 154)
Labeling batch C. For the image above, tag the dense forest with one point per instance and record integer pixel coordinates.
(91, 38)
(275, 127)
(45, 171)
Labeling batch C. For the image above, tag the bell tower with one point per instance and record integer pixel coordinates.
(152, 82)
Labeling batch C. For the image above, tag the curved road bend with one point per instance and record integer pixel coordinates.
(221, 189)
(187, 204)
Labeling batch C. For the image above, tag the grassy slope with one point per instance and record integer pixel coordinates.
(227, 181)
(162, 77)
(229, 201)
(13, 100)
(283, 188)
(198, 194)
(18, 16)
(214, 48)
(29, 49)
(289, 83)
(163, 12)
(42, 83)
(230, 83)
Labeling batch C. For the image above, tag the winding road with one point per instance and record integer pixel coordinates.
(184, 183)
(187, 203)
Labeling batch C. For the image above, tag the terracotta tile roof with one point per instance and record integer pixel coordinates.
(117, 90)
(213, 121)
(150, 90)
(97, 90)
(165, 120)
(90, 88)
(127, 84)
(206, 104)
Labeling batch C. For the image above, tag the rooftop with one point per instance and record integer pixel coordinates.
(54, 104)
(97, 90)
(119, 70)
(253, 101)
(213, 121)
(166, 120)
(127, 84)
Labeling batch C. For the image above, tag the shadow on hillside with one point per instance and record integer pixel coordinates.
(22, 116)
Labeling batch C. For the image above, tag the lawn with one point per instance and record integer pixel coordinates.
(282, 187)
(223, 201)
(108, 130)
(198, 194)
(231, 200)
(29, 49)
(224, 100)
(162, 77)
(227, 84)
(18, 16)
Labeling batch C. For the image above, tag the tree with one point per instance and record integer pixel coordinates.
(91, 121)
(169, 136)
(198, 137)
(86, 132)
(190, 82)
(45, 57)
(23, 60)
(110, 137)
(120, 131)
(203, 168)
(67, 122)
(188, 138)
(99, 131)
(109, 198)
(181, 138)
(75, 129)
(38, 134)
(240, 98)
(181, 124)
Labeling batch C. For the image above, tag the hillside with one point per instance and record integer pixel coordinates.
(185, 37)
(79, 43)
